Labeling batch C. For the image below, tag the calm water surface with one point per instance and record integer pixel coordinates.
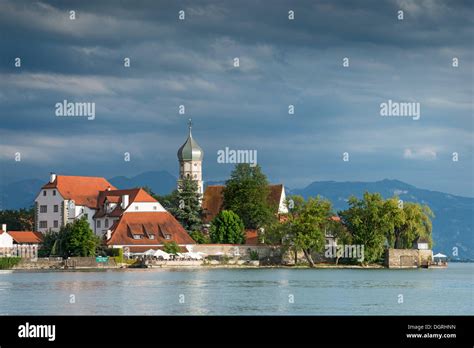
(240, 291)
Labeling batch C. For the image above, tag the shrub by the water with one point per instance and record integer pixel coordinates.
(9, 262)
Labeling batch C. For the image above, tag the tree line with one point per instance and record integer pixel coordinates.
(371, 221)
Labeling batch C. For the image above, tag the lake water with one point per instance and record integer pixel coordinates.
(240, 292)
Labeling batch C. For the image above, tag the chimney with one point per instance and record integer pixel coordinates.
(125, 201)
(52, 178)
(4, 227)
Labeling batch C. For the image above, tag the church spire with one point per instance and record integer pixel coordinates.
(190, 125)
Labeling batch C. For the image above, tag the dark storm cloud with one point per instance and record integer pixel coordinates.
(282, 62)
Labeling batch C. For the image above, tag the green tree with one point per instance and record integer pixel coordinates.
(369, 222)
(185, 205)
(81, 239)
(246, 193)
(18, 220)
(200, 237)
(340, 233)
(227, 227)
(171, 248)
(304, 228)
(408, 221)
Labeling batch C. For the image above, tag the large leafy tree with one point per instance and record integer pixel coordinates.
(369, 222)
(74, 239)
(246, 193)
(408, 221)
(304, 228)
(227, 227)
(81, 239)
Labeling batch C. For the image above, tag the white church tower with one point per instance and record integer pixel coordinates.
(190, 157)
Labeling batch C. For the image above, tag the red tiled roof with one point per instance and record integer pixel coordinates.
(22, 237)
(213, 200)
(115, 196)
(84, 190)
(145, 224)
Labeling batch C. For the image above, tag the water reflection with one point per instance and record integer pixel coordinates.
(237, 292)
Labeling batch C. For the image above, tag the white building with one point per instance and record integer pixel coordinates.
(124, 218)
(67, 198)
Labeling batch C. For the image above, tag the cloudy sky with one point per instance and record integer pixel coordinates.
(282, 62)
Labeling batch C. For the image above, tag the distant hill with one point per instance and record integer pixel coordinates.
(452, 226)
(20, 194)
(454, 215)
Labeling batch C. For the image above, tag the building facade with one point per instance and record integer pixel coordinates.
(123, 218)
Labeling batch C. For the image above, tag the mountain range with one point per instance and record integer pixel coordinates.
(452, 225)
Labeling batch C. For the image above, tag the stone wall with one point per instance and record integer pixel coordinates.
(58, 263)
(407, 258)
(40, 263)
(239, 251)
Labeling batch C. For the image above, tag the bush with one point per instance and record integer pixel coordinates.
(171, 248)
(227, 227)
(200, 237)
(254, 255)
(9, 262)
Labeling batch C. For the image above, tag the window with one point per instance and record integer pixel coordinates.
(86, 216)
(195, 164)
(136, 207)
(137, 236)
(54, 192)
(98, 223)
(55, 223)
(167, 236)
(155, 207)
(106, 223)
(44, 193)
(43, 208)
(151, 236)
(56, 208)
(43, 224)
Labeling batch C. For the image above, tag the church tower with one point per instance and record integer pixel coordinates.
(190, 157)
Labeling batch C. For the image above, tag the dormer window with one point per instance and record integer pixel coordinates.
(167, 236)
(137, 236)
(151, 236)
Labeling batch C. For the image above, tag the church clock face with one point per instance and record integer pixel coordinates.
(72, 205)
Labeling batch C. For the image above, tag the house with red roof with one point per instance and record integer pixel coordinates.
(19, 243)
(213, 201)
(124, 218)
(67, 198)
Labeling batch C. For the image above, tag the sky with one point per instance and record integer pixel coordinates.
(282, 62)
